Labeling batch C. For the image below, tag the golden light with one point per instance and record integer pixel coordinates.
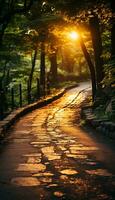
(73, 35)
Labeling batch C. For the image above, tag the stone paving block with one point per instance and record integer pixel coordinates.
(2, 123)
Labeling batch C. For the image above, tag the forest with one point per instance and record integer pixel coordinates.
(45, 45)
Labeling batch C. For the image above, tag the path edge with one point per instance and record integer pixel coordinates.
(20, 112)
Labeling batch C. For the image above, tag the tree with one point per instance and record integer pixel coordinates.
(82, 12)
(113, 29)
(97, 46)
(91, 67)
(8, 9)
(33, 59)
(42, 19)
(42, 68)
(53, 61)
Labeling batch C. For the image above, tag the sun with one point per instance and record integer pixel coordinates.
(73, 35)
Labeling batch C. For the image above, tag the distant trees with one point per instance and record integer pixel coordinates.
(41, 18)
(94, 12)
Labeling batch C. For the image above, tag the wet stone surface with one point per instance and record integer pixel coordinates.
(47, 157)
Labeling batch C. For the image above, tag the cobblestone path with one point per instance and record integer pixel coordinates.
(47, 156)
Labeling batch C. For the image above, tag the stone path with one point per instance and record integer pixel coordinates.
(48, 157)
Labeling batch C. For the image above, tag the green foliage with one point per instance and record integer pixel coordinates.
(109, 78)
(25, 24)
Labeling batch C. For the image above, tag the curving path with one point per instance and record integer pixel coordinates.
(47, 156)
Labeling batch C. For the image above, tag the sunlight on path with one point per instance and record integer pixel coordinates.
(48, 156)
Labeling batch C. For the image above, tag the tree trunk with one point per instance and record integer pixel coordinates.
(113, 41)
(113, 30)
(2, 31)
(7, 81)
(53, 69)
(42, 68)
(91, 67)
(32, 69)
(97, 46)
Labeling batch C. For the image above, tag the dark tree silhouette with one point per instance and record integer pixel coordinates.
(53, 68)
(113, 29)
(91, 67)
(97, 46)
(42, 68)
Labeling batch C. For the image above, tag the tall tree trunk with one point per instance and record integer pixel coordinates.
(91, 67)
(4, 71)
(113, 41)
(53, 68)
(32, 69)
(1, 100)
(97, 46)
(2, 30)
(42, 67)
(7, 81)
(113, 29)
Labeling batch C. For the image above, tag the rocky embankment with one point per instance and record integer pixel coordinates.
(102, 125)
